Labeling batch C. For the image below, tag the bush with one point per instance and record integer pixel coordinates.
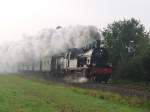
(137, 68)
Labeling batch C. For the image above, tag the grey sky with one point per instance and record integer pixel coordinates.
(18, 17)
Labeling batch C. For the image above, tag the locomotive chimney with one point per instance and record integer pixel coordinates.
(98, 42)
(98, 39)
(58, 27)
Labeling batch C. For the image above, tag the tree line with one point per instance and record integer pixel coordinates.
(128, 45)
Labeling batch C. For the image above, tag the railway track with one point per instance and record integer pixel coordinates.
(116, 88)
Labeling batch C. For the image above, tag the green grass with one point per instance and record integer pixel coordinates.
(18, 94)
(142, 86)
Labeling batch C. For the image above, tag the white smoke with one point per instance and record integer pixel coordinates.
(47, 42)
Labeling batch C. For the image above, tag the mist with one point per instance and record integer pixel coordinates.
(47, 42)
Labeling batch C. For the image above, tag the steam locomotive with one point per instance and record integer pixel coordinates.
(90, 62)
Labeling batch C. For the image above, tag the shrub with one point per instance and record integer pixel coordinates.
(137, 68)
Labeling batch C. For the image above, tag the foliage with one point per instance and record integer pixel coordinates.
(137, 69)
(124, 38)
(128, 45)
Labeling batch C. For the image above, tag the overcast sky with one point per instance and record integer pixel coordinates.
(19, 17)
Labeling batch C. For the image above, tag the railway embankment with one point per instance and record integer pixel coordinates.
(133, 95)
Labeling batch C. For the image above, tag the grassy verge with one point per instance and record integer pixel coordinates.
(133, 85)
(19, 94)
(116, 98)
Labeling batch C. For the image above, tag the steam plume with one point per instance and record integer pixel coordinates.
(47, 42)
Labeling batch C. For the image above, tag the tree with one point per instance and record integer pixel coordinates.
(137, 68)
(124, 39)
(129, 49)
